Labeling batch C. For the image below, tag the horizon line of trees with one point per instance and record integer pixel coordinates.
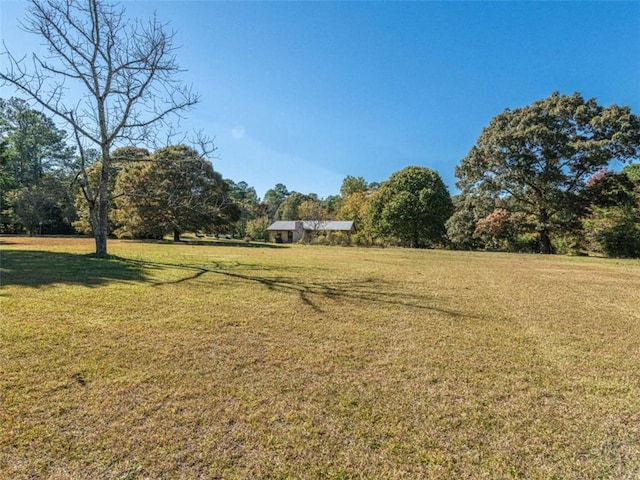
(514, 196)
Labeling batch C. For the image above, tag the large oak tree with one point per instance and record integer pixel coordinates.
(542, 155)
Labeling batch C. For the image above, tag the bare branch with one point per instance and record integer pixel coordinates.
(108, 78)
(204, 143)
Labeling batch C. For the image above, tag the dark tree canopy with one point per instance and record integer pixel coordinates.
(468, 211)
(412, 206)
(44, 208)
(612, 221)
(248, 203)
(542, 156)
(175, 191)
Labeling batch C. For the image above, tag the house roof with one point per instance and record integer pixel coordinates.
(282, 225)
(325, 225)
(332, 225)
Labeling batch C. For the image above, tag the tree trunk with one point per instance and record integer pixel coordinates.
(93, 218)
(545, 239)
(103, 207)
(176, 235)
(545, 242)
(101, 232)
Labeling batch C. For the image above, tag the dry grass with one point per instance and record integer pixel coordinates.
(222, 361)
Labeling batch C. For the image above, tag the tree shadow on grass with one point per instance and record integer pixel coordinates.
(217, 243)
(371, 290)
(35, 268)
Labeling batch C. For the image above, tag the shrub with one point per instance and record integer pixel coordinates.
(614, 231)
(257, 228)
(527, 243)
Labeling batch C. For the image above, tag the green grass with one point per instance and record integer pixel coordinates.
(214, 360)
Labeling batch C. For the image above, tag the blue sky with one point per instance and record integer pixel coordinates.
(306, 93)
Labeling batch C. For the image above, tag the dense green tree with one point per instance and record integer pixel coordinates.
(273, 198)
(248, 203)
(468, 211)
(6, 184)
(352, 184)
(312, 210)
(614, 231)
(176, 191)
(33, 149)
(632, 171)
(43, 208)
(355, 207)
(288, 209)
(542, 155)
(257, 228)
(35, 146)
(412, 206)
(612, 223)
(610, 189)
(89, 180)
(332, 205)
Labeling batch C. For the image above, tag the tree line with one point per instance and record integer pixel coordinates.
(175, 190)
(536, 180)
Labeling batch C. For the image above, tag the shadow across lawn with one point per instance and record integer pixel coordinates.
(309, 291)
(35, 268)
(217, 243)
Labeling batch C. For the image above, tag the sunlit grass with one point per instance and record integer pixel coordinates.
(226, 361)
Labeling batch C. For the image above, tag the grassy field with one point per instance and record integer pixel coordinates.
(226, 361)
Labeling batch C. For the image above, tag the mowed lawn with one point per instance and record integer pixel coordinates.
(223, 361)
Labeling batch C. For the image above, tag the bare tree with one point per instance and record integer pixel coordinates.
(112, 80)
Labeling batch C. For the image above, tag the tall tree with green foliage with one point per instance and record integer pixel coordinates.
(542, 155)
(33, 151)
(35, 146)
(123, 74)
(332, 205)
(352, 184)
(312, 210)
(246, 199)
(355, 207)
(176, 191)
(273, 198)
(288, 209)
(412, 206)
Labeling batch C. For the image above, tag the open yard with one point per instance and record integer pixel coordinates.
(222, 361)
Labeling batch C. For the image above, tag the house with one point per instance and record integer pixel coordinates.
(291, 231)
